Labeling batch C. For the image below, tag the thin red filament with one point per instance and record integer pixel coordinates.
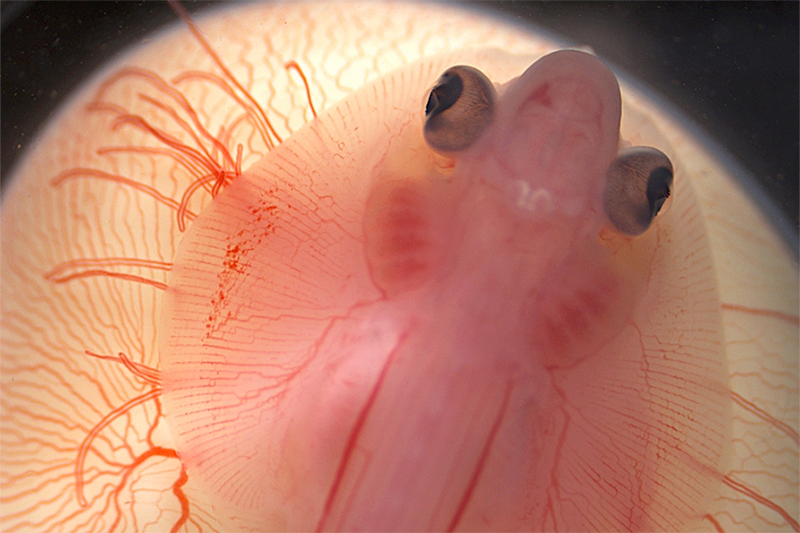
(353, 438)
(181, 12)
(86, 445)
(749, 406)
(208, 159)
(465, 498)
(177, 487)
(265, 129)
(92, 173)
(751, 493)
(292, 65)
(144, 372)
(175, 96)
(714, 523)
(769, 313)
(60, 273)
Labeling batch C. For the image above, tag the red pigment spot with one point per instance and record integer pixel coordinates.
(236, 264)
(233, 265)
(232, 256)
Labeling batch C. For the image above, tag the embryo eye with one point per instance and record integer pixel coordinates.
(638, 187)
(459, 108)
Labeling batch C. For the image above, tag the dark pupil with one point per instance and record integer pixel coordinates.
(445, 94)
(658, 188)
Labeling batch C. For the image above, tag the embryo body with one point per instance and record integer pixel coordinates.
(375, 329)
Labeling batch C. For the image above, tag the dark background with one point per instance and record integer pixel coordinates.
(731, 67)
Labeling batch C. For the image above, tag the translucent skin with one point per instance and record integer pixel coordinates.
(442, 344)
(53, 394)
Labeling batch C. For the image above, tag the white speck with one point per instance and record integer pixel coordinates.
(538, 201)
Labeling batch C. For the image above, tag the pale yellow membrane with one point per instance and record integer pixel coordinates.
(53, 394)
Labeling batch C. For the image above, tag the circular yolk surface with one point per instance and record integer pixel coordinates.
(85, 441)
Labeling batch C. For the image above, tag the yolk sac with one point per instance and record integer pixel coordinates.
(361, 334)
